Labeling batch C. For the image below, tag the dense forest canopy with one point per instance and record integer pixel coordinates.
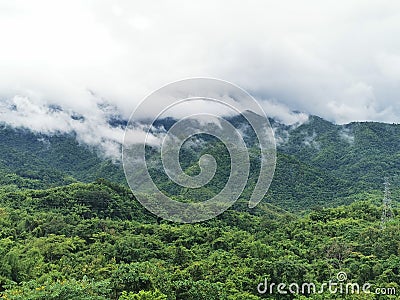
(72, 229)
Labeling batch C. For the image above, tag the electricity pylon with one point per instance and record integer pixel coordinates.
(387, 213)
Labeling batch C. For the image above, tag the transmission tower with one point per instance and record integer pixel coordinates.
(387, 213)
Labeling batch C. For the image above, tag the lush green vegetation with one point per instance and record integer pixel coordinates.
(65, 234)
(61, 243)
(361, 153)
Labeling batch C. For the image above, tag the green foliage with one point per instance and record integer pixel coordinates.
(65, 289)
(143, 295)
(37, 161)
(67, 238)
(57, 253)
(359, 153)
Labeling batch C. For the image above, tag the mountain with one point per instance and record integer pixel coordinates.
(72, 229)
(318, 163)
(33, 160)
(363, 152)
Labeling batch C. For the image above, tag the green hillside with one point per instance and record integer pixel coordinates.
(39, 161)
(94, 241)
(31, 160)
(71, 229)
(318, 163)
(362, 153)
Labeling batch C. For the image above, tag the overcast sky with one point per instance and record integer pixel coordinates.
(336, 59)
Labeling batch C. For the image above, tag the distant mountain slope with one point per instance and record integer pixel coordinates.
(319, 163)
(37, 160)
(362, 153)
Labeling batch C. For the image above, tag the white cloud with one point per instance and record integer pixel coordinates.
(92, 129)
(339, 61)
(282, 113)
(389, 65)
(347, 135)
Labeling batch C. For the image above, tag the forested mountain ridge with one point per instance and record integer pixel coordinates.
(314, 158)
(36, 160)
(71, 229)
(362, 152)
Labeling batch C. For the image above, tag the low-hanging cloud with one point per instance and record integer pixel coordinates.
(337, 61)
(92, 129)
